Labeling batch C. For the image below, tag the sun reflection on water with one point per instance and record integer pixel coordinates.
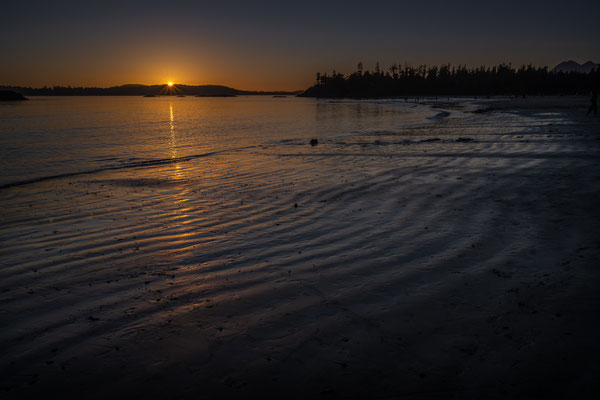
(177, 174)
(172, 126)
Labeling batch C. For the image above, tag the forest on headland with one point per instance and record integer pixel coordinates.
(448, 80)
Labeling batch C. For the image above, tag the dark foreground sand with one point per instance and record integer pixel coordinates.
(456, 260)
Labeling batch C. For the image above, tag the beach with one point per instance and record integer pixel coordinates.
(450, 256)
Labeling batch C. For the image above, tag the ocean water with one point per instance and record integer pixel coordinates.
(53, 136)
(162, 243)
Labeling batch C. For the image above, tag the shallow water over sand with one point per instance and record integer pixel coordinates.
(54, 136)
(407, 251)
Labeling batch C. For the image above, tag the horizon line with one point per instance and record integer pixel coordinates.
(166, 84)
(467, 65)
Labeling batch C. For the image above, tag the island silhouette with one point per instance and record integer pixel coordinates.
(11, 95)
(142, 90)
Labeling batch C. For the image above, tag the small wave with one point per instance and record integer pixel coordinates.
(138, 164)
(439, 116)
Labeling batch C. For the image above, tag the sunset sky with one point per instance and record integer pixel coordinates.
(277, 45)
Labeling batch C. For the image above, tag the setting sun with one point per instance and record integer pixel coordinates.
(170, 83)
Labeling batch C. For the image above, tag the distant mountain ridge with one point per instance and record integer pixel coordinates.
(140, 90)
(573, 66)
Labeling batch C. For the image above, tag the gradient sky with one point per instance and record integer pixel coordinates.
(278, 45)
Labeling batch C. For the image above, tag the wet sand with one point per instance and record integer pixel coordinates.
(453, 260)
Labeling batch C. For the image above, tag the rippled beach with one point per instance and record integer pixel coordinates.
(185, 247)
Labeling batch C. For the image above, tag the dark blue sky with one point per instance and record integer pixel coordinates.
(276, 44)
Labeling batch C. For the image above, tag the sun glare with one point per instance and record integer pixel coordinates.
(170, 83)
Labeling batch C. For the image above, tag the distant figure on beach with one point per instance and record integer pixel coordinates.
(594, 105)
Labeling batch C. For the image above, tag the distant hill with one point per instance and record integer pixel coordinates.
(140, 90)
(572, 66)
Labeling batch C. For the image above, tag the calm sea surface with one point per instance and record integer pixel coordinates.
(49, 136)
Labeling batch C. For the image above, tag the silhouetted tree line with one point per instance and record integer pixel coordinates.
(458, 80)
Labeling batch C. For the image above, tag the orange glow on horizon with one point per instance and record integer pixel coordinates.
(170, 83)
